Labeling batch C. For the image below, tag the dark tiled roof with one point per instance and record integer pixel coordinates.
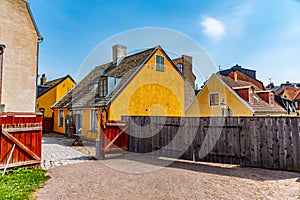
(84, 94)
(249, 72)
(259, 105)
(42, 89)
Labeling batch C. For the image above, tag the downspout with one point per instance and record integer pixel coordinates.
(40, 39)
(2, 48)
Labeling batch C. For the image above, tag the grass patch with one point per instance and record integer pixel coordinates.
(21, 183)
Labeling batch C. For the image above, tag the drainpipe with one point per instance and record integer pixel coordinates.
(40, 39)
(2, 48)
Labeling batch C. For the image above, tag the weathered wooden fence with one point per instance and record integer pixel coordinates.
(20, 140)
(267, 142)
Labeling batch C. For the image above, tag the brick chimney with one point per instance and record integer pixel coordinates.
(118, 51)
(43, 79)
(187, 70)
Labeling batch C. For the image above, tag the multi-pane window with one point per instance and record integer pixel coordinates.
(214, 99)
(61, 118)
(94, 120)
(160, 63)
(103, 87)
(77, 114)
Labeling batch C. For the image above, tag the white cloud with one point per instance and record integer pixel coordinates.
(213, 28)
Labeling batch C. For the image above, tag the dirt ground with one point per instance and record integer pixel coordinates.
(181, 180)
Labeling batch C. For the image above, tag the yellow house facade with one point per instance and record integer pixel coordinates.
(224, 96)
(51, 91)
(143, 84)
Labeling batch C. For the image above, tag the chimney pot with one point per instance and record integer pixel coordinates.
(43, 79)
(235, 76)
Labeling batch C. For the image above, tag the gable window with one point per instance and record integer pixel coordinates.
(94, 120)
(180, 67)
(271, 99)
(61, 118)
(103, 87)
(251, 97)
(160, 63)
(214, 99)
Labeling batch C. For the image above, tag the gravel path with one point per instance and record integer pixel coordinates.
(74, 175)
(56, 153)
(180, 180)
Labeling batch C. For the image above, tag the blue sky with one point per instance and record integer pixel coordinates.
(260, 35)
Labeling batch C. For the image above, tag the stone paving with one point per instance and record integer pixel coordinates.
(56, 153)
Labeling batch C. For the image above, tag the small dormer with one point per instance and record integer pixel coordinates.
(268, 96)
(246, 92)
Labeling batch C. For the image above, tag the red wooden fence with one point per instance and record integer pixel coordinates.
(20, 139)
(47, 125)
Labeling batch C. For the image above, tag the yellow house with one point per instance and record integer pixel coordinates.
(51, 91)
(146, 83)
(229, 96)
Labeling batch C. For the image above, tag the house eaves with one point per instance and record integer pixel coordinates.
(40, 37)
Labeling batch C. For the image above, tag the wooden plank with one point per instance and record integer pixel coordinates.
(269, 140)
(22, 140)
(296, 143)
(21, 164)
(288, 142)
(263, 145)
(4, 149)
(22, 146)
(15, 155)
(275, 144)
(12, 130)
(282, 161)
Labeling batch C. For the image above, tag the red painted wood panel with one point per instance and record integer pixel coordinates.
(32, 139)
(112, 130)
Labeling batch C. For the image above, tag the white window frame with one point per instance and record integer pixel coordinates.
(94, 119)
(159, 66)
(213, 93)
(61, 118)
(251, 96)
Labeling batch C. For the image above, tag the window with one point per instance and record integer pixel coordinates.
(214, 99)
(103, 87)
(61, 118)
(271, 99)
(180, 67)
(78, 119)
(94, 120)
(251, 98)
(160, 63)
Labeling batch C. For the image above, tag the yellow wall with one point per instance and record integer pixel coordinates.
(46, 101)
(53, 95)
(56, 128)
(86, 116)
(151, 92)
(200, 106)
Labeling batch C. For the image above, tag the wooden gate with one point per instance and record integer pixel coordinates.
(20, 140)
(116, 137)
(113, 138)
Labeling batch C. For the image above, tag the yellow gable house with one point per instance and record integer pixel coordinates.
(146, 83)
(51, 91)
(226, 96)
